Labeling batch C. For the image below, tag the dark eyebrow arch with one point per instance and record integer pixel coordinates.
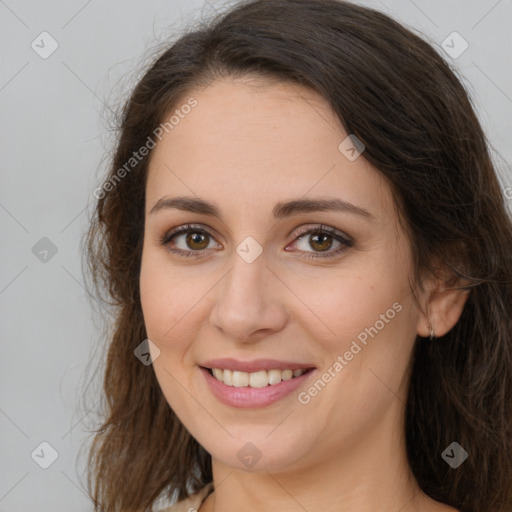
(280, 210)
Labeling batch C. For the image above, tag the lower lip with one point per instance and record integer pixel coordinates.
(253, 397)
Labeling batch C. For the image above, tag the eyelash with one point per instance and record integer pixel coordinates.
(319, 230)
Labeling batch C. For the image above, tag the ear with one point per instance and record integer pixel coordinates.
(442, 307)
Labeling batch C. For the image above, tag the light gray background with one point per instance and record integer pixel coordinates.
(53, 138)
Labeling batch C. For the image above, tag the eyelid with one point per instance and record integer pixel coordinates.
(301, 230)
(308, 229)
(184, 229)
(323, 228)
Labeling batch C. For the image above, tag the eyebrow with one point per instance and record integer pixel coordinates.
(280, 210)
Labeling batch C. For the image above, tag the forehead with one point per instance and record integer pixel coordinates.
(253, 143)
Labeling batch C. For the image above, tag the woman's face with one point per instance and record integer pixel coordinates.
(259, 284)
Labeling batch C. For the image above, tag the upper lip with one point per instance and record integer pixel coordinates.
(255, 365)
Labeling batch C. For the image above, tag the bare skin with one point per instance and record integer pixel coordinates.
(247, 146)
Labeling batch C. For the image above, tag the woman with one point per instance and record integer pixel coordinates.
(311, 257)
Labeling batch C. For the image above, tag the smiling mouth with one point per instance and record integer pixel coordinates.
(259, 379)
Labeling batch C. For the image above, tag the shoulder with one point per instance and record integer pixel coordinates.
(192, 503)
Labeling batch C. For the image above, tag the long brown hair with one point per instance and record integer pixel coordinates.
(404, 102)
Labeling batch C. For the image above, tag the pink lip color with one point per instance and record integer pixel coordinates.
(252, 397)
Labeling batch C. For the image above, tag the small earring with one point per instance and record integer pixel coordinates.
(432, 333)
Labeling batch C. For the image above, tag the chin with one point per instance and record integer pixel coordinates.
(260, 452)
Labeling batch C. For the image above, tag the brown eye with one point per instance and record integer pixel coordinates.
(188, 240)
(197, 241)
(321, 242)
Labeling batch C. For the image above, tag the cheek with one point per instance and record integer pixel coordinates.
(165, 294)
(342, 305)
(372, 355)
(173, 301)
(163, 299)
(366, 316)
(166, 299)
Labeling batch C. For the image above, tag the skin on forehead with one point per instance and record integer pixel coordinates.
(246, 149)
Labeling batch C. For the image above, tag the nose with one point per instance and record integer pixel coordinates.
(249, 303)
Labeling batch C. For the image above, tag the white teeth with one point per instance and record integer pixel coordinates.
(256, 379)
(226, 376)
(274, 376)
(240, 379)
(287, 374)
